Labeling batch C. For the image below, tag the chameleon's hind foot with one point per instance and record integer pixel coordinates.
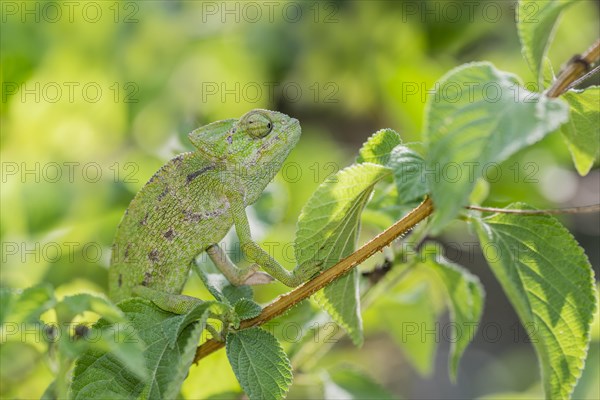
(235, 275)
(258, 278)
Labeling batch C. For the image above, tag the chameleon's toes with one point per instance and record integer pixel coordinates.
(258, 278)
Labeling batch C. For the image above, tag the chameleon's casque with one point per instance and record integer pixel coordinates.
(193, 200)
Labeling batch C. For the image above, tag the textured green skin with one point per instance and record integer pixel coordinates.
(190, 203)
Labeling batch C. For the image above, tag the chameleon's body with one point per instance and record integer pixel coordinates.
(190, 204)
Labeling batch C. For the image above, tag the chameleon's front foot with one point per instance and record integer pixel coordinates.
(301, 273)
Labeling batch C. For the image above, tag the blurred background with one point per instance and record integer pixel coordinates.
(96, 96)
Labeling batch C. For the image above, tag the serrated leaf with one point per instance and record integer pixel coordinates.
(168, 343)
(246, 309)
(549, 280)
(328, 228)
(535, 24)
(469, 126)
(408, 167)
(378, 147)
(582, 132)
(587, 386)
(341, 300)
(465, 297)
(259, 363)
(235, 293)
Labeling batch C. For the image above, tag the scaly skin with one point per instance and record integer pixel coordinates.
(192, 202)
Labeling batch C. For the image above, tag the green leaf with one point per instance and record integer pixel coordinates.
(587, 386)
(173, 368)
(341, 300)
(479, 115)
(246, 309)
(465, 297)
(28, 305)
(581, 132)
(378, 147)
(168, 343)
(408, 168)
(535, 23)
(235, 293)
(549, 280)
(118, 339)
(415, 331)
(327, 232)
(352, 384)
(259, 363)
(71, 306)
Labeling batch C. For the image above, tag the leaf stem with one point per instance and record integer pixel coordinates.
(570, 210)
(302, 292)
(575, 68)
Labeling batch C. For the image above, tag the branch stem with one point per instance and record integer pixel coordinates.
(578, 66)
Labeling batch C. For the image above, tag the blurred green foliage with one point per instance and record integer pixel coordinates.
(97, 96)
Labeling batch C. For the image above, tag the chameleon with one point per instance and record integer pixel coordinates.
(190, 204)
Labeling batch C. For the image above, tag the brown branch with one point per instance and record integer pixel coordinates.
(570, 210)
(578, 66)
(302, 292)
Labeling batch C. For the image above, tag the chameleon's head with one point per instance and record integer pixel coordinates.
(259, 139)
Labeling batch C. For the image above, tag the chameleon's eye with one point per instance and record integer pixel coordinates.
(257, 124)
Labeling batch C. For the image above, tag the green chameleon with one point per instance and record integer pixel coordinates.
(191, 203)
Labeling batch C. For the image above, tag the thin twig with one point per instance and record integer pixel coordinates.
(302, 292)
(570, 210)
(578, 66)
